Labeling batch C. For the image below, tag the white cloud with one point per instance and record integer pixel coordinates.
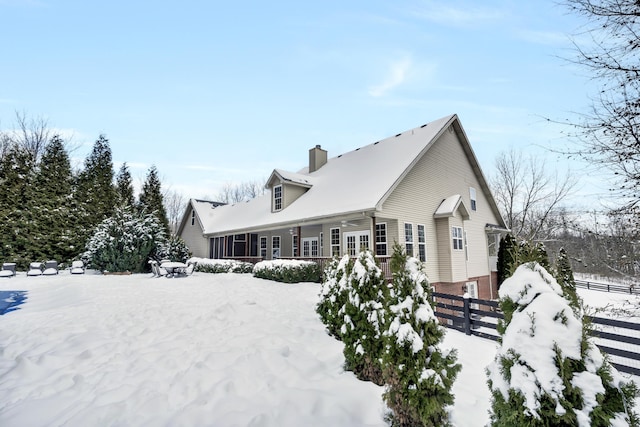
(445, 14)
(397, 75)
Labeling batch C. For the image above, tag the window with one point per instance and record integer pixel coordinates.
(263, 247)
(294, 245)
(335, 242)
(277, 197)
(193, 217)
(310, 247)
(422, 243)
(381, 239)
(275, 247)
(408, 238)
(472, 196)
(456, 235)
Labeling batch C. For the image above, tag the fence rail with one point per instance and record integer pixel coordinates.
(619, 339)
(608, 287)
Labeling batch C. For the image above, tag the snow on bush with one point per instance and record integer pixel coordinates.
(288, 271)
(418, 373)
(364, 314)
(333, 295)
(124, 242)
(547, 371)
(208, 265)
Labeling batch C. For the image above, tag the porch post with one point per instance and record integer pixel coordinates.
(299, 242)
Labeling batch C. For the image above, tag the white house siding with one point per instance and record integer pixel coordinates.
(442, 172)
(192, 236)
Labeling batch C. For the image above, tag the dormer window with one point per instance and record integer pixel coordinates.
(277, 198)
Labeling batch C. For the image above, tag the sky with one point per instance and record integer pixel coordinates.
(214, 92)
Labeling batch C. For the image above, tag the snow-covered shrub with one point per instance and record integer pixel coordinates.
(333, 295)
(207, 265)
(288, 271)
(364, 313)
(123, 242)
(547, 371)
(418, 373)
(174, 249)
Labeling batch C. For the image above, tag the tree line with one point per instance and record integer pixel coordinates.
(48, 210)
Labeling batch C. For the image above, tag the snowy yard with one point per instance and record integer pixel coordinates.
(217, 350)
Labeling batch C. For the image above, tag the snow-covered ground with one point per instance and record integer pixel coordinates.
(204, 350)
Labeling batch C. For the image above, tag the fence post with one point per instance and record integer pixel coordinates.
(467, 314)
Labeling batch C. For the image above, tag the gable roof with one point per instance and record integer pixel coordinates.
(450, 205)
(303, 180)
(353, 182)
(201, 208)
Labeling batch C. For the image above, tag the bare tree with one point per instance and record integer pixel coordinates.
(175, 204)
(528, 196)
(234, 193)
(608, 47)
(33, 134)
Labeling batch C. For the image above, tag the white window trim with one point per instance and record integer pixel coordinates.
(408, 241)
(386, 247)
(277, 199)
(266, 246)
(294, 245)
(334, 245)
(310, 240)
(275, 255)
(423, 243)
(455, 237)
(473, 198)
(357, 235)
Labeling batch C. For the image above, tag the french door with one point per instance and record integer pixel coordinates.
(355, 241)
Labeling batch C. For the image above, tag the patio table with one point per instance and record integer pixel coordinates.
(174, 268)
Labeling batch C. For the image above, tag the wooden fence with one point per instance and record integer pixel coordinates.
(619, 339)
(608, 287)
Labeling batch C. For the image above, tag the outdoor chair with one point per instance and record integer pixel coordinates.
(191, 267)
(50, 268)
(77, 267)
(35, 269)
(8, 269)
(156, 269)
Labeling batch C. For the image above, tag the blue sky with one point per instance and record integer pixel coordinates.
(213, 92)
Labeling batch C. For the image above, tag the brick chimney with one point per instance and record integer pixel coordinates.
(317, 158)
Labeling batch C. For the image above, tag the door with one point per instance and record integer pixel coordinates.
(355, 241)
(310, 247)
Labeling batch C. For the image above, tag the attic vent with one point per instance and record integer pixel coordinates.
(340, 155)
(375, 142)
(424, 125)
(358, 148)
(398, 135)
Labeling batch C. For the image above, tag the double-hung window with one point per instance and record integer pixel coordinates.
(294, 245)
(263, 247)
(381, 239)
(456, 236)
(408, 238)
(422, 243)
(472, 196)
(335, 241)
(277, 198)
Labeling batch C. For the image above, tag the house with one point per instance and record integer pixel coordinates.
(422, 188)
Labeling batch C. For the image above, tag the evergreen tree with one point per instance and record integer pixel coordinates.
(95, 191)
(16, 200)
(564, 276)
(419, 375)
(124, 186)
(547, 371)
(125, 242)
(151, 200)
(364, 322)
(333, 295)
(506, 258)
(54, 214)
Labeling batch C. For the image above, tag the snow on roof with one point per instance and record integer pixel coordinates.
(297, 178)
(356, 181)
(450, 205)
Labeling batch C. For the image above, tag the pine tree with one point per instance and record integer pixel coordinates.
(364, 322)
(151, 199)
(564, 276)
(95, 192)
(506, 258)
(16, 199)
(124, 186)
(333, 295)
(54, 226)
(419, 375)
(547, 371)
